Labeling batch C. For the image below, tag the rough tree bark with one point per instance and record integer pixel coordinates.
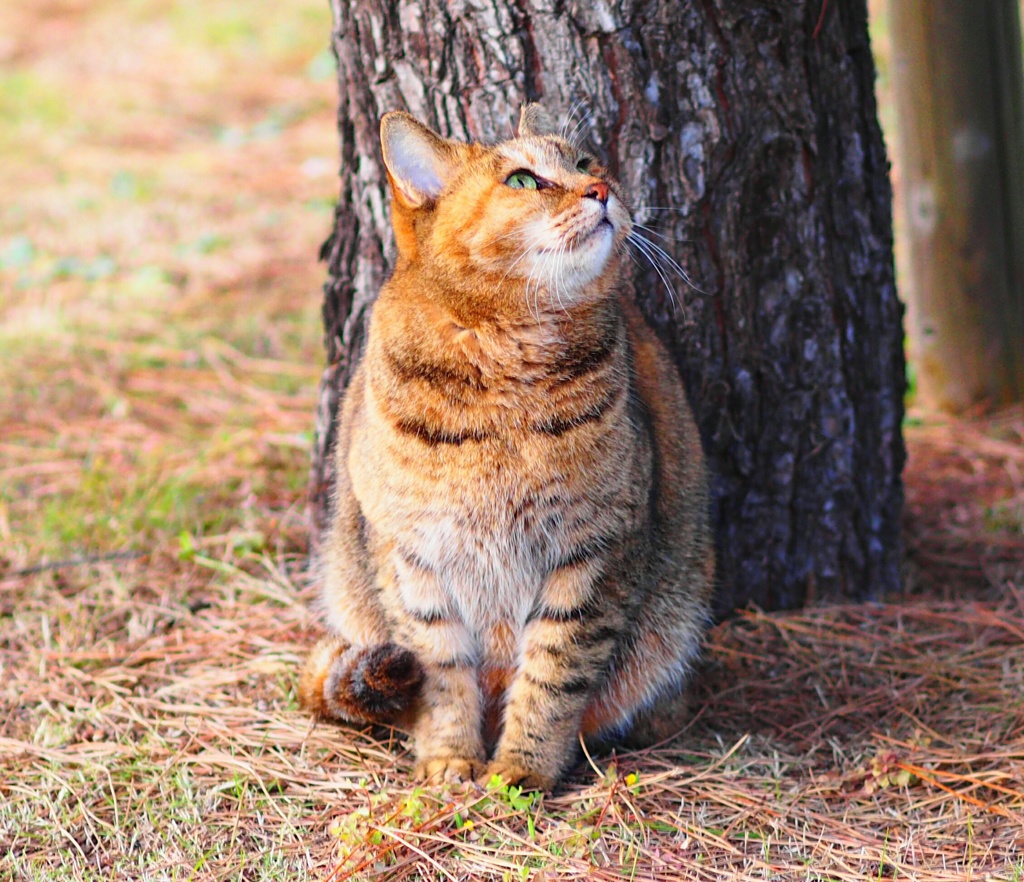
(746, 137)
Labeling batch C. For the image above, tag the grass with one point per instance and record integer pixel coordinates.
(159, 296)
(170, 172)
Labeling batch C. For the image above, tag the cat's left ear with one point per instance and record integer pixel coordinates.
(419, 161)
(534, 120)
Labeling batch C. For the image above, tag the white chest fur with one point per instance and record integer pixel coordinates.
(487, 565)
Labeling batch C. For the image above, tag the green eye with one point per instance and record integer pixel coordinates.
(521, 180)
(583, 165)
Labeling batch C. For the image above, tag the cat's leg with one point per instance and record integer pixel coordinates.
(565, 651)
(448, 730)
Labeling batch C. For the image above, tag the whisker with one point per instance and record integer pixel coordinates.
(642, 248)
(527, 248)
(664, 236)
(508, 235)
(669, 259)
(558, 276)
(576, 106)
(658, 251)
(576, 129)
(555, 275)
(537, 288)
(664, 255)
(567, 119)
(535, 283)
(531, 280)
(526, 297)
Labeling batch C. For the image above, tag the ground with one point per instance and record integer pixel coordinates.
(168, 175)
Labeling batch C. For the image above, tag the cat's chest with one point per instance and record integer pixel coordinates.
(489, 565)
(483, 535)
(487, 495)
(488, 532)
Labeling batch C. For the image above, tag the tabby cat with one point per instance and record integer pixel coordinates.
(519, 551)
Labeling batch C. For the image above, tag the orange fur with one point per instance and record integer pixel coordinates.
(521, 496)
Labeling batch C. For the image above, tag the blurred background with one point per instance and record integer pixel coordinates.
(168, 171)
(951, 97)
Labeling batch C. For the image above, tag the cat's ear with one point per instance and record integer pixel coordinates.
(419, 161)
(535, 120)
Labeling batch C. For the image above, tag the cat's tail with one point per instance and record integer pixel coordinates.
(360, 684)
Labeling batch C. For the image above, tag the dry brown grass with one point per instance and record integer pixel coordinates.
(170, 163)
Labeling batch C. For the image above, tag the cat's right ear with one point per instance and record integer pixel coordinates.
(419, 161)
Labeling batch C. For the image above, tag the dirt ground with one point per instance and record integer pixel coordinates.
(169, 169)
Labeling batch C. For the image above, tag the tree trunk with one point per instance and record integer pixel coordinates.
(746, 136)
(960, 94)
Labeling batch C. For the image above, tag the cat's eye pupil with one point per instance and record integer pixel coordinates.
(521, 181)
(583, 165)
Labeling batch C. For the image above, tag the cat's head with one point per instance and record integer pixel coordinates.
(534, 215)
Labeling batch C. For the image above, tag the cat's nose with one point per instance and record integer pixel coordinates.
(598, 190)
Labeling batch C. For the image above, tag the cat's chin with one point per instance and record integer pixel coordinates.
(571, 276)
(595, 251)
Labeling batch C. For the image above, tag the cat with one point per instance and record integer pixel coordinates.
(519, 550)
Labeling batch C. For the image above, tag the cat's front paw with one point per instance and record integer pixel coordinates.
(515, 774)
(448, 770)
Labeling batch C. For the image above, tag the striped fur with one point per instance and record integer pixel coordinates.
(519, 549)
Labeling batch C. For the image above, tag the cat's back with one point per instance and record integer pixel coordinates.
(680, 470)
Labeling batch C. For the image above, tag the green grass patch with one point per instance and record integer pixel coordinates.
(127, 505)
(28, 97)
(285, 35)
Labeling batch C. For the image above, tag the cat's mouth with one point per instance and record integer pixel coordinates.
(604, 224)
(583, 235)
